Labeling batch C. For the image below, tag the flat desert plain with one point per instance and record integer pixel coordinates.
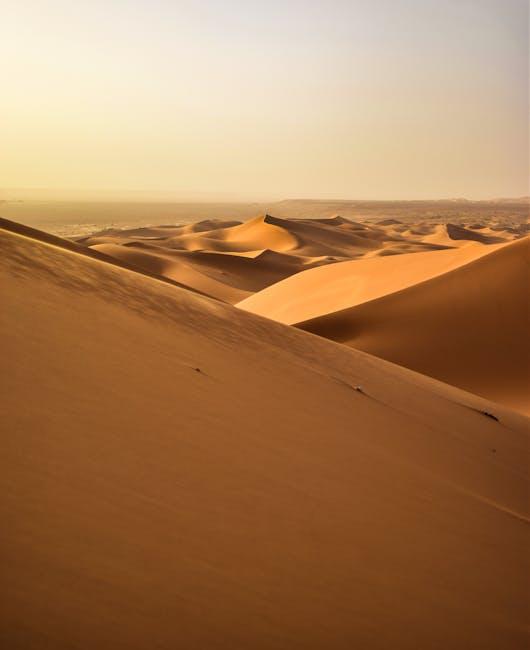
(276, 433)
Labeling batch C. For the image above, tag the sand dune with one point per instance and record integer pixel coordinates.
(331, 288)
(460, 316)
(454, 235)
(174, 269)
(158, 490)
(262, 232)
(241, 258)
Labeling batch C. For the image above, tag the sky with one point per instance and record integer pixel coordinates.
(255, 100)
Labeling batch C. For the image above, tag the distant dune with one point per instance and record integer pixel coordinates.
(179, 473)
(230, 260)
(85, 216)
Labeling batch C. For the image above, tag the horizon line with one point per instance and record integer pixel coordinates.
(194, 196)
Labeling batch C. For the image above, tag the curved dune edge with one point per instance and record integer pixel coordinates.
(468, 327)
(161, 490)
(326, 289)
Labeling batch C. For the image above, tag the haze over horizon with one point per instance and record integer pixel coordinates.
(129, 196)
(252, 102)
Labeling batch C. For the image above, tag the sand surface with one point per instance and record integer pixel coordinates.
(180, 473)
(338, 286)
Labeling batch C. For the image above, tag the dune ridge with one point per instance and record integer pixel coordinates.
(160, 491)
(327, 289)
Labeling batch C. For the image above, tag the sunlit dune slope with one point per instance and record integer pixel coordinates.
(330, 288)
(177, 473)
(468, 327)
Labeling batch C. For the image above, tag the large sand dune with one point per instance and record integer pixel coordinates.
(177, 473)
(459, 315)
(334, 287)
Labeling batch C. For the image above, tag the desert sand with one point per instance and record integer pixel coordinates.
(232, 260)
(180, 473)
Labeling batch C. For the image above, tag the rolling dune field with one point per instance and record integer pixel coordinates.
(181, 472)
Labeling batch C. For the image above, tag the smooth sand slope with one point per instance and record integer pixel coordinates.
(177, 473)
(230, 260)
(334, 287)
(467, 326)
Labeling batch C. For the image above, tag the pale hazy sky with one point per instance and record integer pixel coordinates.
(266, 99)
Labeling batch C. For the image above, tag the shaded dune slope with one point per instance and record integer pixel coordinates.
(157, 263)
(160, 491)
